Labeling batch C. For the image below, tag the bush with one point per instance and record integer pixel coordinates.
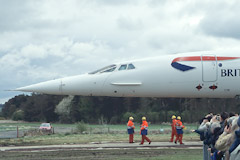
(81, 127)
(18, 115)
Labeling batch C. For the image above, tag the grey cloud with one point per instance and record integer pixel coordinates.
(220, 17)
(14, 14)
(222, 25)
(28, 16)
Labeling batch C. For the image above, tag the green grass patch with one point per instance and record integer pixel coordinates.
(94, 133)
(87, 138)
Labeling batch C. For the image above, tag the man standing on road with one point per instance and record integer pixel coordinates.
(174, 132)
(144, 130)
(179, 128)
(131, 128)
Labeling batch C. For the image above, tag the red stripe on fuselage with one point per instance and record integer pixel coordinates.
(203, 58)
(226, 58)
(179, 59)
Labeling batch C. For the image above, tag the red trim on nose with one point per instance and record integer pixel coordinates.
(179, 59)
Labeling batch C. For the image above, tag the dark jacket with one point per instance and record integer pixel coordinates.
(201, 134)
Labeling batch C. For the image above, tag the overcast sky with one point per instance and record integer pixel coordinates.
(48, 39)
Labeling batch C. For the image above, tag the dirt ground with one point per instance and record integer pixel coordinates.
(119, 154)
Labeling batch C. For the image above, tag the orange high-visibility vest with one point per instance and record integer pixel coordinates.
(144, 125)
(130, 124)
(179, 125)
(174, 121)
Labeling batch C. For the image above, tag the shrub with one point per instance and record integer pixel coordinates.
(81, 127)
(18, 115)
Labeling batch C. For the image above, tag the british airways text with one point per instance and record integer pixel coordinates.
(230, 72)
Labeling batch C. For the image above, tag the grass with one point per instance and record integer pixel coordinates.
(112, 133)
(118, 126)
(86, 138)
(96, 133)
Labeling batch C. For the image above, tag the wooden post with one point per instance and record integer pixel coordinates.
(17, 132)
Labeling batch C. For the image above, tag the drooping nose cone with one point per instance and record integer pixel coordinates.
(48, 87)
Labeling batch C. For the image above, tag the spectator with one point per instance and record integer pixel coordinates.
(234, 148)
(227, 137)
(202, 129)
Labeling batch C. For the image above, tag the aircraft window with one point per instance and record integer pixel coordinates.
(105, 69)
(109, 70)
(122, 67)
(131, 66)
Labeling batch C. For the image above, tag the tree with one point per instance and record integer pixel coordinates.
(63, 109)
(71, 109)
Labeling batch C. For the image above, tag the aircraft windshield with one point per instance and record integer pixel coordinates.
(112, 67)
(105, 69)
(131, 66)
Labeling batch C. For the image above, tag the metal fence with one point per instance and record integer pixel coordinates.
(21, 131)
(11, 132)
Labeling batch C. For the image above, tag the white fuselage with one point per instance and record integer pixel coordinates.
(193, 75)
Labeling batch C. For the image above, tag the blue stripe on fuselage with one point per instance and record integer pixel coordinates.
(181, 67)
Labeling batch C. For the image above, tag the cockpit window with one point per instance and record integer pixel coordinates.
(112, 67)
(109, 70)
(131, 66)
(105, 69)
(123, 67)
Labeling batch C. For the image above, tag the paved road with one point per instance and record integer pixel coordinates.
(92, 146)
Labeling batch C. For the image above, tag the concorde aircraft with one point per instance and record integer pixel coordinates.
(212, 74)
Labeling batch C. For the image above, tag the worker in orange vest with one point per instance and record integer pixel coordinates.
(144, 130)
(131, 127)
(179, 128)
(174, 132)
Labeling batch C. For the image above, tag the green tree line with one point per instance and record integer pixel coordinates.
(111, 110)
